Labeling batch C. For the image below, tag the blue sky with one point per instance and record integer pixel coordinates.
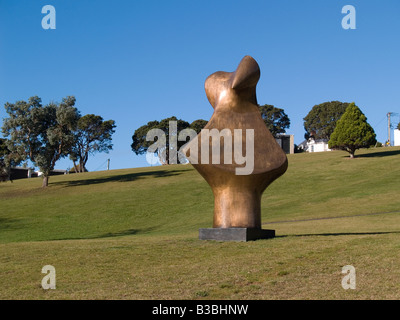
(136, 61)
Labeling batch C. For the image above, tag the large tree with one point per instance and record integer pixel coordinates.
(42, 134)
(352, 131)
(275, 119)
(92, 135)
(140, 145)
(320, 122)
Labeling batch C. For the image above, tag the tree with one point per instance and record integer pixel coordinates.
(42, 134)
(352, 131)
(398, 126)
(8, 159)
(275, 119)
(4, 169)
(198, 125)
(140, 145)
(320, 122)
(92, 135)
(3, 148)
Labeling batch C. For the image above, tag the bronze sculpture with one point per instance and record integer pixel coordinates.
(237, 196)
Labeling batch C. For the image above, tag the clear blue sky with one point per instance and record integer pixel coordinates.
(136, 61)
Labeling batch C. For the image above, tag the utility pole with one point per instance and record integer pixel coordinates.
(108, 164)
(388, 115)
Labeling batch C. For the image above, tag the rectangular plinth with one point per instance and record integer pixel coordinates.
(235, 234)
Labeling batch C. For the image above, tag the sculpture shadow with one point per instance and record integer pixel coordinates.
(338, 234)
(8, 224)
(119, 178)
(128, 232)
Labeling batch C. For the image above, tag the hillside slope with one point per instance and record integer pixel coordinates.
(176, 200)
(133, 234)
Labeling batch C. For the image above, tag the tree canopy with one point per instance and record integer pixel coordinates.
(3, 149)
(140, 145)
(42, 134)
(352, 131)
(4, 172)
(320, 122)
(92, 135)
(275, 119)
(198, 125)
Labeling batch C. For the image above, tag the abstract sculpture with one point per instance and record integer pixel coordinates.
(236, 128)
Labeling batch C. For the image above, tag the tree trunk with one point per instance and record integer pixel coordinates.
(75, 167)
(352, 155)
(45, 181)
(163, 156)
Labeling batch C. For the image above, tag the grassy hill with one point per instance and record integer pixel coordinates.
(133, 234)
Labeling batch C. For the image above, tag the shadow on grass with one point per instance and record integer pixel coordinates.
(378, 154)
(128, 232)
(8, 224)
(338, 234)
(120, 178)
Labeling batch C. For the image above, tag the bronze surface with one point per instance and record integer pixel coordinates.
(237, 198)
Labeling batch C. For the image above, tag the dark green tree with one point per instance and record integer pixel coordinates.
(3, 148)
(320, 122)
(198, 125)
(92, 135)
(8, 159)
(398, 126)
(352, 132)
(4, 168)
(140, 145)
(42, 134)
(275, 119)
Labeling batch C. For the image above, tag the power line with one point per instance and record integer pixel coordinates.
(102, 165)
(384, 118)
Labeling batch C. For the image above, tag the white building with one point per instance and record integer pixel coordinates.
(54, 172)
(311, 145)
(396, 137)
(320, 145)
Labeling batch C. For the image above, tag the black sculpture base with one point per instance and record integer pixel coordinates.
(235, 234)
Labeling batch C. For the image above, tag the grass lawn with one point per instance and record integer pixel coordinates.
(133, 234)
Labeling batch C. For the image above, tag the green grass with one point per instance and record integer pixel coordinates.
(133, 234)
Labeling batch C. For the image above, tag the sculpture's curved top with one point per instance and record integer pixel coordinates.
(243, 81)
(233, 97)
